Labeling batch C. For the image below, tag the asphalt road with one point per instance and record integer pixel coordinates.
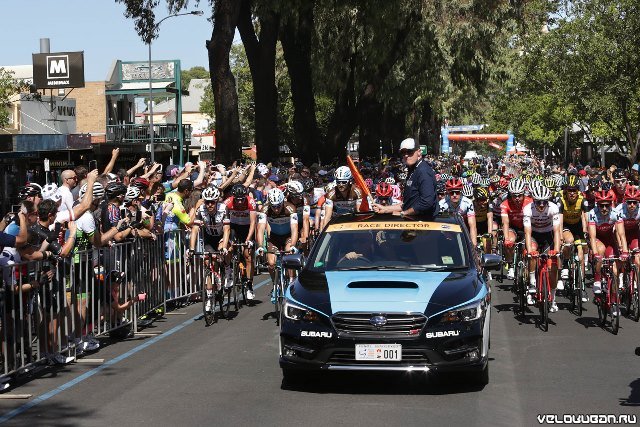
(228, 374)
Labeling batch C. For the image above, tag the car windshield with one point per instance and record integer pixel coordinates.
(373, 247)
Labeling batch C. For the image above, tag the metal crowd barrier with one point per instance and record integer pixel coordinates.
(52, 306)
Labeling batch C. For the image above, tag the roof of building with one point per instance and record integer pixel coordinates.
(20, 72)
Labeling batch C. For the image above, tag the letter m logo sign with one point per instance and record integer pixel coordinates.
(58, 67)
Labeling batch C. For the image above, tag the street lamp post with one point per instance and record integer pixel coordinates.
(153, 30)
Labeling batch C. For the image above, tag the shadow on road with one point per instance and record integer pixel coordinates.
(634, 395)
(50, 413)
(588, 322)
(383, 383)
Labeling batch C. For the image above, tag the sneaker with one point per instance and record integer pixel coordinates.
(510, 273)
(564, 274)
(530, 299)
(90, 345)
(553, 308)
(207, 306)
(597, 287)
(60, 359)
(560, 285)
(584, 298)
(250, 294)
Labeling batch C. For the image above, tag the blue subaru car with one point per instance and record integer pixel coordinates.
(385, 293)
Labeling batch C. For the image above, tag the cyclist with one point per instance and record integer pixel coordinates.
(298, 199)
(573, 220)
(511, 213)
(456, 202)
(345, 197)
(629, 213)
(243, 219)
(620, 186)
(384, 195)
(602, 222)
(213, 216)
(280, 221)
(541, 221)
(484, 216)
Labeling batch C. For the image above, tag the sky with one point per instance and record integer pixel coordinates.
(100, 29)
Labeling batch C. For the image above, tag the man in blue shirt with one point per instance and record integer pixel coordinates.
(419, 196)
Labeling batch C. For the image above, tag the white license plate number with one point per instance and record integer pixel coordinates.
(379, 352)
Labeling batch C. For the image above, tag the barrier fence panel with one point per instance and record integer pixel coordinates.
(55, 308)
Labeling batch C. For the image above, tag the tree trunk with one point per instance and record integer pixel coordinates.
(370, 129)
(261, 54)
(295, 36)
(229, 143)
(429, 129)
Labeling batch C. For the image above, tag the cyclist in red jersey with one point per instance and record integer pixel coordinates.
(511, 212)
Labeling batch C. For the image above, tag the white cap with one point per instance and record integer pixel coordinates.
(408, 144)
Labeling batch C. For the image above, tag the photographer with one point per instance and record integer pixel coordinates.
(140, 220)
(111, 216)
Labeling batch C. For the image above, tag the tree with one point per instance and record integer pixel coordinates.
(197, 72)
(8, 88)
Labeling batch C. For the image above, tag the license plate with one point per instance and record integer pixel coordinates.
(378, 352)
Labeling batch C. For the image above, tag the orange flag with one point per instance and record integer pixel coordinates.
(367, 201)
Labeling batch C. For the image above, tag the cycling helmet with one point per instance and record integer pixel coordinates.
(384, 189)
(445, 177)
(343, 173)
(111, 177)
(619, 174)
(29, 191)
(535, 184)
(307, 184)
(98, 191)
(467, 190)
(516, 186)
(486, 182)
(476, 179)
(572, 182)
(114, 190)
(559, 180)
(603, 196)
(454, 184)
(631, 193)
(440, 187)
(594, 183)
(262, 169)
(49, 190)
(549, 182)
(503, 183)
(540, 193)
(141, 183)
(239, 191)
(295, 188)
(275, 196)
(494, 179)
(481, 193)
(132, 193)
(211, 194)
(390, 180)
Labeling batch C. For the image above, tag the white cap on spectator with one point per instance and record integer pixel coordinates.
(408, 144)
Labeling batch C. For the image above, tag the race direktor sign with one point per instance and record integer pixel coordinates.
(58, 70)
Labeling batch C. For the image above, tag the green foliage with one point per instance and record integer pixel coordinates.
(197, 72)
(8, 88)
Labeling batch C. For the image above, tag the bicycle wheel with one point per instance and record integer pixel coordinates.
(242, 289)
(614, 307)
(602, 308)
(234, 289)
(209, 316)
(543, 304)
(520, 289)
(633, 310)
(499, 276)
(570, 287)
(276, 291)
(579, 289)
(226, 293)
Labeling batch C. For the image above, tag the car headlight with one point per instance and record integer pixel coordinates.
(295, 312)
(465, 314)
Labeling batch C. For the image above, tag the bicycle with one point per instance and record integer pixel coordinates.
(519, 277)
(543, 295)
(630, 295)
(575, 286)
(480, 248)
(607, 301)
(240, 278)
(500, 252)
(280, 284)
(216, 275)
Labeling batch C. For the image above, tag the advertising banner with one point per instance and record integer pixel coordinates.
(58, 70)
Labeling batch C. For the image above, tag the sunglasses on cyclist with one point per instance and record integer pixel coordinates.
(604, 205)
(541, 203)
(632, 202)
(210, 202)
(341, 182)
(455, 192)
(621, 181)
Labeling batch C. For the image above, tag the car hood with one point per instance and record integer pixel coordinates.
(430, 293)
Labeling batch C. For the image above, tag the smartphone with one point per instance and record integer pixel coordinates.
(15, 208)
(93, 164)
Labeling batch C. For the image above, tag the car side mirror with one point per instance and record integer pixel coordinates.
(491, 261)
(294, 261)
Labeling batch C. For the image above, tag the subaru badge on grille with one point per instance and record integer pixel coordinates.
(378, 321)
